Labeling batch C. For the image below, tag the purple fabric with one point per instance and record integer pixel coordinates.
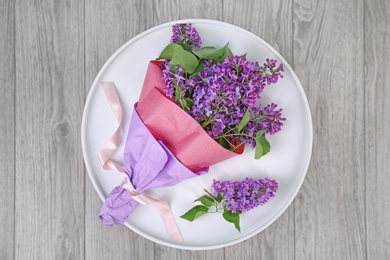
(117, 207)
(149, 164)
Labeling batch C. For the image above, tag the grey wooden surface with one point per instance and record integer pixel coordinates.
(51, 52)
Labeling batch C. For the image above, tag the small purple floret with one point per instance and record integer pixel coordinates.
(185, 33)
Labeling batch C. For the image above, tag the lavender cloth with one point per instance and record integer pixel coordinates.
(149, 164)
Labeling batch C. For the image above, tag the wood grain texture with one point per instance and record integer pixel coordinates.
(170, 10)
(271, 21)
(7, 130)
(328, 59)
(49, 217)
(51, 51)
(109, 25)
(377, 125)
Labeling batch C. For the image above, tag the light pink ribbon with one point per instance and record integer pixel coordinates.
(107, 163)
(108, 150)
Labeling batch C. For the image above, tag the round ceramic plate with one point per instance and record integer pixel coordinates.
(287, 162)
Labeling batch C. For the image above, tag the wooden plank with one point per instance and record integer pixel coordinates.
(271, 21)
(167, 253)
(377, 125)
(110, 24)
(49, 216)
(330, 208)
(7, 130)
(168, 10)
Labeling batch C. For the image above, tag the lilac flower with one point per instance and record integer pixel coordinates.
(230, 88)
(232, 198)
(223, 92)
(272, 119)
(174, 81)
(273, 73)
(246, 195)
(220, 94)
(185, 33)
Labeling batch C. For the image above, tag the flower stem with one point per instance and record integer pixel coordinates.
(211, 195)
(240, 134)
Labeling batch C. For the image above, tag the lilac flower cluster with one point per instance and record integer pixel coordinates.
(185, 33)
(174, 81)
(246, 195)
(265, 118)
(223, 92)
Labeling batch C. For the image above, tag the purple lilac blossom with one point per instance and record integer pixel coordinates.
(185, 33)
(246, 195)
(271, 118)
(174, 80)
(273, 73)
(263, 118)
(223, 92)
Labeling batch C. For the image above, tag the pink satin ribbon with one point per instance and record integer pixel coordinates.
(107, 163)
(108, 150)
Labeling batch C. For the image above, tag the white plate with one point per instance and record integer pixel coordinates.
(287, 162)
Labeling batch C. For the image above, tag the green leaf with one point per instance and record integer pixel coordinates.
(262, 145)
(222, 141)
(226, 53)
(199, 68)
(185, 46)
(232, 218)
(183, 104)
(195, 213)
(178, 93)
(208, 52)
(244, 120)
(219, 198)
(213, 53)
(258, 150)
(184, 59)
(190, 91)
(189, 103)
(167, 53)
(260, 133)
(206, 200)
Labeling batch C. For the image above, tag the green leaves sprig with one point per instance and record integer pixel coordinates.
(262, 145)
(192, 60)
(212, 204)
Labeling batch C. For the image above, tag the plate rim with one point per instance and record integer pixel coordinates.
(286, 65)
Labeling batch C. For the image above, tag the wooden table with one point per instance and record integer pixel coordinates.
(51, 52)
